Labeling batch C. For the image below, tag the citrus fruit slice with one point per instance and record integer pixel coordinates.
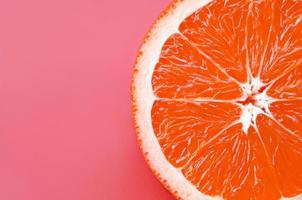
(217, 99)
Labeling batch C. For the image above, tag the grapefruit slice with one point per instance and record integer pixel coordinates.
(217, 99)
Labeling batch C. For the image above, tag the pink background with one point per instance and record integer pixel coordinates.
(66, 129)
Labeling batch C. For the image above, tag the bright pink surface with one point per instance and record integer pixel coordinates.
(65, 120)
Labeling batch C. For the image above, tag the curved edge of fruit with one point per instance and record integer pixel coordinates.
(169, 9)
(134, 104)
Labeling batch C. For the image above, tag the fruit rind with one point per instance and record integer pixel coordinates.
(142, 99)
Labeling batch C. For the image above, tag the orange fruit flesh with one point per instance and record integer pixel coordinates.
(197, 80)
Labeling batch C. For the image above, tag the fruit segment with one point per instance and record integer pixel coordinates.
(261, 34)
(288, 86)
(248, 38)
(182, 72)
(287, 51)
(218, 31)
(289, 114)
(234, 166)
(285, 153)
(286, 39)
(182, 127)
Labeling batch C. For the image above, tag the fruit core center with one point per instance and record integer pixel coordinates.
(249, 100)
(255, 102)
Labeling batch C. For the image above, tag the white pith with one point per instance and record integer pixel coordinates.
(250, 112)
(144, 98)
